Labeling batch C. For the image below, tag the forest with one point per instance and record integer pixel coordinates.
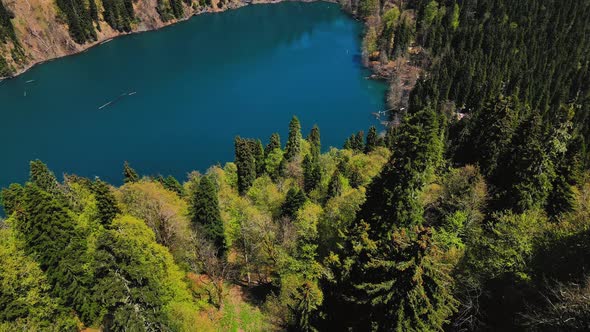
(469, 212)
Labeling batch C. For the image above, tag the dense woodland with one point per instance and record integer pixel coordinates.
(471, 213)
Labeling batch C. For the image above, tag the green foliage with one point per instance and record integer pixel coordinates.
(137, 283)
(11, 198)
(205, 212)
(119, 14)
(312, 173)
(6, 27)
(129, 174)
(246, 160)
(402, 281)
(293, 202)
(25, 294)
(79, 20)
(105, 202)
(293, 147)
(274, 143)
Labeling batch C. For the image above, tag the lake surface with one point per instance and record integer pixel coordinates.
(198, 84)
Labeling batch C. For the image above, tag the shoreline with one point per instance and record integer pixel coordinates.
(99, 42)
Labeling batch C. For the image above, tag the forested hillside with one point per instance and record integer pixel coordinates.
(471, 213)
(34, 31)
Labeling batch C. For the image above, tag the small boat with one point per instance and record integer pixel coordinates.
(132, 93)
(106, 41)
(29, 81)
(25, 94)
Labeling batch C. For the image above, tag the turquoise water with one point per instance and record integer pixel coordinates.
(198, 84)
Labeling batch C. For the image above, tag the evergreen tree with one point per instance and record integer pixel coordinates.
(274, 143)
(372, 140)
(312, 174)
(206, 213)
(105, 202)
(51, 238)
(335, 185)
(293, 146)
(403, 284)
(258, 153)
(129, 174)
(172, 184)
(359, 141)
(293, 202)
(43, 178)
(314, 142)
(246, 163)
(11, 198)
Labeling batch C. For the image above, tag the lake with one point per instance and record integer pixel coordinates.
(187, 90)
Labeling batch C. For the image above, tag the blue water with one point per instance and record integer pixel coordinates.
(199, 84)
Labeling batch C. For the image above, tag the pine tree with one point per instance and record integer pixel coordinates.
(293, 146)
(246, 164)
(274, 143)
(105, 202)
(206, 213)
(129, 174)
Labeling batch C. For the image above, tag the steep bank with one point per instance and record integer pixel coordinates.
(35, 31)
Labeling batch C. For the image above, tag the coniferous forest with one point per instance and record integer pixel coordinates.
(469, 211)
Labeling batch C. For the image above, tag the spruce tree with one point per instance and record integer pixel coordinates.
(293, 146)
(206, 213)
(11, 198)
(258, 152)
(246, 164)
(105, 202)
(129, 174)
(51, 238)
(372, 140)
(401, 284)
(274, 143)
(172, 184)
(43, 178)
(335, 185)
(311, 173)
(293, 202)
(314, 142)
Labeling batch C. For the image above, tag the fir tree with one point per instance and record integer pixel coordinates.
(274, 143)
(402, 283)
(172, 184)
(206, 213)
(314, 142)
(129, 174)
(335, 185)
(372, 140)
(259, 159)
(293, 146)
(246, 164)
(43, 178)
(293, 202)
(312, 174)
(105, 202)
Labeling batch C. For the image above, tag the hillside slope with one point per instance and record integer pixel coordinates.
(33, 31)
